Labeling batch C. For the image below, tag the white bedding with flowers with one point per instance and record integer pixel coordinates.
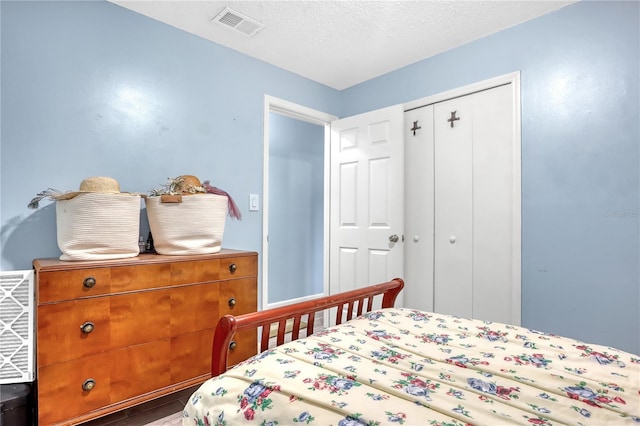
(418, 368)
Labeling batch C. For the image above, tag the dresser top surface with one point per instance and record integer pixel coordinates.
(54, 264)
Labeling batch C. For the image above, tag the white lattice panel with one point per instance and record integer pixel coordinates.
(16, 327)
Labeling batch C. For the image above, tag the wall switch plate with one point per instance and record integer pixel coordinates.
(253, 203)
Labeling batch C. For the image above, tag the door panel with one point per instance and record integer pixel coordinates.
(453, 236)
(348, 195)
(378, 196)
(419, 211)
(366, 199)
(493, 204)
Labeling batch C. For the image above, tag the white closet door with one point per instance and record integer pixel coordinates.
(474, 206)
(462, 217)
(453, 244)
(493, 206)
(419, 176)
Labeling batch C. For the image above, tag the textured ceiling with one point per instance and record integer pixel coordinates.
(343, 43)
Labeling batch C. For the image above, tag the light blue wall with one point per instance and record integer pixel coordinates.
(196, 107)
(296, 208)
(580, 159)
(90, 88)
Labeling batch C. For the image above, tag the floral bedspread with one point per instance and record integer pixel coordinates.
(417, 368)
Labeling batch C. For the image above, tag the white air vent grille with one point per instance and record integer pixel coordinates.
(16, 327)
(233, 20)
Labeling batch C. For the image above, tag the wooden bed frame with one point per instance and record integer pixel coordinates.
(356, 302)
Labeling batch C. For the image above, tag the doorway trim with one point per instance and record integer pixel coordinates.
(308, 115)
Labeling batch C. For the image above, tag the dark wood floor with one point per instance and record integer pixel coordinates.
(147, 413)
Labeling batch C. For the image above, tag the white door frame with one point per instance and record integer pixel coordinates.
(308, 115)
(513, 79)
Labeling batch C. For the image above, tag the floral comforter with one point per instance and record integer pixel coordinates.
(417, 368)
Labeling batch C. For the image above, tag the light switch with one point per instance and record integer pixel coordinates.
(253, 203)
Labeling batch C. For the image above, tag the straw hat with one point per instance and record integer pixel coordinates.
(95, 185)
(189, 184)
(101, 184)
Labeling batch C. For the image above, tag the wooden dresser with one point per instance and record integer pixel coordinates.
(117, 333)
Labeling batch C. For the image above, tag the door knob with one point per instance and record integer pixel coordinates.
(394, 238)
(452, 239)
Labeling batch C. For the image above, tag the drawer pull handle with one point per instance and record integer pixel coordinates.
(232, 302)
(232, 268)
(87, 327)
(232, 345)
(88, 385)
(89, 282)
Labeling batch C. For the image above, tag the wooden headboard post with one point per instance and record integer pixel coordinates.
(357, 302)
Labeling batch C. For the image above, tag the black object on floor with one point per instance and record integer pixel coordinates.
(16, 405)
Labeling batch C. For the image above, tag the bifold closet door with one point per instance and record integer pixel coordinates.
(473, 205)
(453, 216)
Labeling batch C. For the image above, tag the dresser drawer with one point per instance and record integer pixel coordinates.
(199, 271)
(80, 281)
(238, 297)
(113, 322)
(191, 353)
(244, 345)
(238, 267)
(55, 286)
(73, 284)
(194, 308)
(60, 392)
(198, 307)
(117, 376)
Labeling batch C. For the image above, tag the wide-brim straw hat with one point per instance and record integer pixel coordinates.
(99, 184)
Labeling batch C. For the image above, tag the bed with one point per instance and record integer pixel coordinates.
(381, 365)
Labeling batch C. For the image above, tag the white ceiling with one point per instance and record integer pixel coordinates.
(343, 43)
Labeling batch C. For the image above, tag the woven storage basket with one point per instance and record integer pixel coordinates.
(98, 226)
(193, 226)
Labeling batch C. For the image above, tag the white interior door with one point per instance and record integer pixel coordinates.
(366, 199)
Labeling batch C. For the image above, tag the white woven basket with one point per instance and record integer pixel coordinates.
(193, 226)
(98, 226)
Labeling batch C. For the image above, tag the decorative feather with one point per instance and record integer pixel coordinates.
(47, 193)
(234, 211)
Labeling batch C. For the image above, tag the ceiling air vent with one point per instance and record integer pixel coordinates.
(236, 21)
